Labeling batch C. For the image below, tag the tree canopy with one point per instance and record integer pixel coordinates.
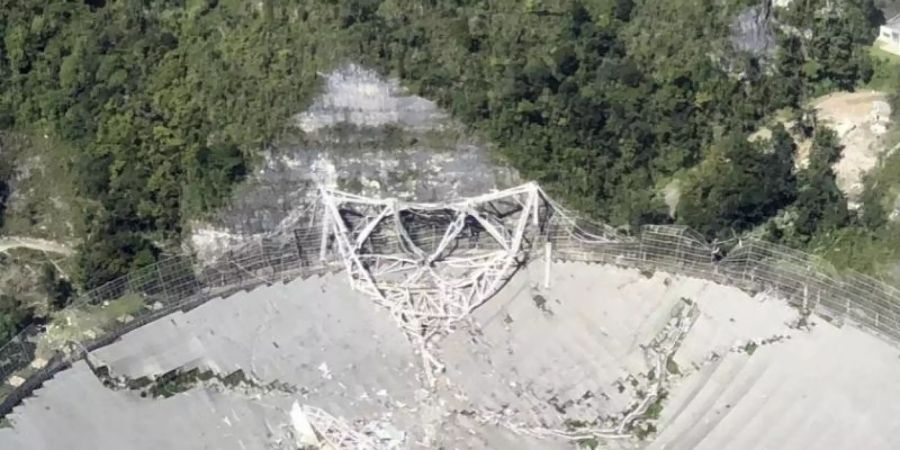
(820, 204)
(741, 185)
(165, 107)
(165, 104)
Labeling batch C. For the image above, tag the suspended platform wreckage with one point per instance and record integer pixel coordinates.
(432, 264)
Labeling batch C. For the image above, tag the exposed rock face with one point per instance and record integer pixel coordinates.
(358, 96)
(364, 134)
(753, 32)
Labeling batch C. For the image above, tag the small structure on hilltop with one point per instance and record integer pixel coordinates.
(889, 35)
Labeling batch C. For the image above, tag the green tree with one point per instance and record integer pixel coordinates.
(836, 38)
(789, 60)
(166, 112)
(14, 316)
(740, 186)
(58, 289)
(820, 205)
(874, 215)
(6, 173)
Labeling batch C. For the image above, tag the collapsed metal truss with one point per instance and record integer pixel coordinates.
(431, 264)
(335, 434)
(471, 266)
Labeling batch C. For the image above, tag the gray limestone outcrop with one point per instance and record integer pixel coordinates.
(753, 30)
(364, 134)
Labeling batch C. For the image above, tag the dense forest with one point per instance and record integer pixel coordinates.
(164, 105)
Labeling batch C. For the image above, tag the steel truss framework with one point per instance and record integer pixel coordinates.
(336, 434)
(431, 264)
(293, 250)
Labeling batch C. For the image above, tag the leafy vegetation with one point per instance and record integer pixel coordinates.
(599, 100)
(828, 42)
(718, 199)
(58, 289)
(86, 321)
(162, 105)
(870, 242)
(5, 175)
(572, 94)
(14, 315)
(886, 69)
(655, 409)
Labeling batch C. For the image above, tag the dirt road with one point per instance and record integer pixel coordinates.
(44, 245)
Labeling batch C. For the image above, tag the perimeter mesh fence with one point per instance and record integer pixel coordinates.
(100, 316)
(803, 280)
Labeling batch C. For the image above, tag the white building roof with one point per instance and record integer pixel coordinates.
(893, 23)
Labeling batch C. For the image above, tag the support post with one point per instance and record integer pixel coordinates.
(262, 250)
(805, 297)
(548, 248)
(326, 228)
(162, 283)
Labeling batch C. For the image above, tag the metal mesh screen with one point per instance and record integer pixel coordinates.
(151, 292)
(106, 312)
(801, 279)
